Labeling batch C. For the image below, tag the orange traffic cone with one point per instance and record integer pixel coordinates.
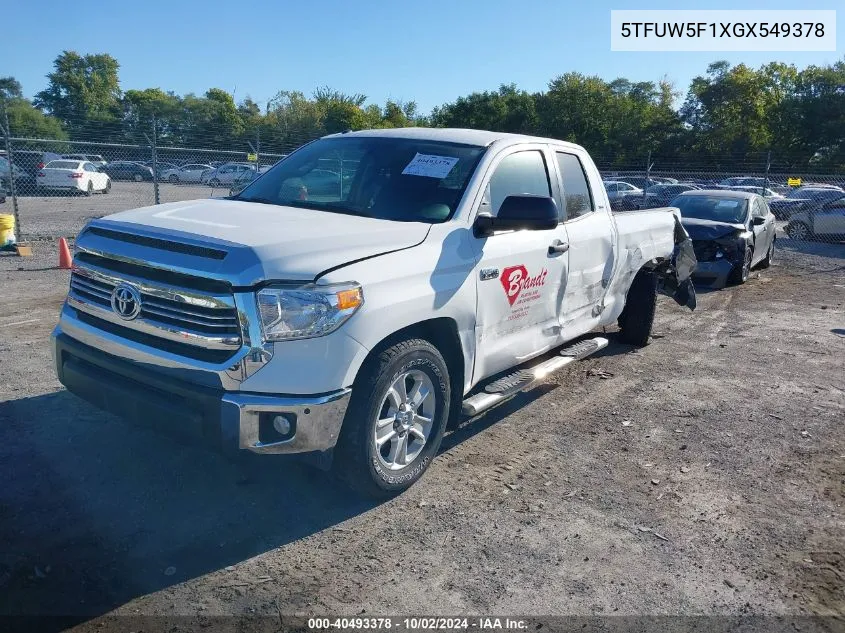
(65, 260)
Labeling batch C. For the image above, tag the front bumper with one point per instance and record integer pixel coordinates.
(715, 273)
(225, 420)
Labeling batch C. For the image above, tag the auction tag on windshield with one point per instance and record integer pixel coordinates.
(430, 165)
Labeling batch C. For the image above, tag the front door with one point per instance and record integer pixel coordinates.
(521, 280)
(763, 233)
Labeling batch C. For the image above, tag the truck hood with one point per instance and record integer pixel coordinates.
(267, 241)
(709, 229)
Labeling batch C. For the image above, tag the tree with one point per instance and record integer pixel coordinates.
(24, 119)
(505, 110)
(142, 107)
(84, 93)
(10, 88)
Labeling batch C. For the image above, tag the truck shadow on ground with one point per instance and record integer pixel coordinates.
(94, 512)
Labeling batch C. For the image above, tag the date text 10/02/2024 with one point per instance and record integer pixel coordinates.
(418, 624)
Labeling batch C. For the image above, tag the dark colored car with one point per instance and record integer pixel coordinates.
(731, 231)
(804, 199)
(27, 163)
(655, 196)
(126, 170)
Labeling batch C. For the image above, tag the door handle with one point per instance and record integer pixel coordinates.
(557, 247)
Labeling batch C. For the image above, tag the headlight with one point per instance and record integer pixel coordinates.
(292, 313)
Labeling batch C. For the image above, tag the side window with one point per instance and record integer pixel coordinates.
(759, 209)
(576, 192)
(836, 204)
(522, 173)
(89, 167)
(611, 187)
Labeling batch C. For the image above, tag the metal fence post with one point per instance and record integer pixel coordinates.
(768, 166)
(648, 166)
(7, 134)
(155, 163)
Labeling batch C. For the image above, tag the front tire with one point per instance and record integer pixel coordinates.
(740, 273)
(174, 179)
(637, 318)
(799, 232)
(396, 419)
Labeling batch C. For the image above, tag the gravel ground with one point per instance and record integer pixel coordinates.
(701, 475)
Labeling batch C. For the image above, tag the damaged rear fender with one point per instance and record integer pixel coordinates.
(674, 275)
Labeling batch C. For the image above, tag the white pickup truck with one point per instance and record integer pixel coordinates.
(353, 313)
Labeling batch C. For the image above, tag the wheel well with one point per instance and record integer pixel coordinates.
(443, 334)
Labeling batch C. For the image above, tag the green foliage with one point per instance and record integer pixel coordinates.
(83, 93)
(729, 113)
(28, 121)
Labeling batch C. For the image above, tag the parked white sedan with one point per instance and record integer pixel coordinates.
(73, 175)
(186, 173)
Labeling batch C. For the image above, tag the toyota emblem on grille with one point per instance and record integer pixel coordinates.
(126, 301)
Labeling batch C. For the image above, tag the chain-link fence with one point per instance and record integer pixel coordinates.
(54, 187)
(804, 211)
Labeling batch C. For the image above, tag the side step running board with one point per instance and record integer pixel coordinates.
(522, 379)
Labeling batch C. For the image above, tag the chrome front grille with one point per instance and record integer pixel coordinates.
(169, 313)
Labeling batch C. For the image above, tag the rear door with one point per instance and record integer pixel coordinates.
(520, 282)
(99, 179)
(591, 243)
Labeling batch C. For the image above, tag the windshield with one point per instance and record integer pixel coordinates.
(714, 208)
(408, 180)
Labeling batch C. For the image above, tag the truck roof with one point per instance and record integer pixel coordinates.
(480, 138)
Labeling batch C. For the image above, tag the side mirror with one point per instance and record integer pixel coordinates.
(534, 213)
(758, 221)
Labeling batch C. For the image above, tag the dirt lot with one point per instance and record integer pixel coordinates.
(702, 475)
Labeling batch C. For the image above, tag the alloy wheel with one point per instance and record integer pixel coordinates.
(405, 419)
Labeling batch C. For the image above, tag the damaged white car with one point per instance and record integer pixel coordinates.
(355, 321)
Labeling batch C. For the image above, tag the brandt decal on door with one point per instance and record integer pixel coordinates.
(520, 289)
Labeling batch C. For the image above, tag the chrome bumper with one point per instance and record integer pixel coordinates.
(229, 420)
(317, 420)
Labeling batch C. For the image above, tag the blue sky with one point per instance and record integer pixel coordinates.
(430, 51)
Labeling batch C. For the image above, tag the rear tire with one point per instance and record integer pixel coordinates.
(770, 255)
(214, 182)
(637, 318)
(378, 409)
(174, 179)
(138, 178)
(90, 190)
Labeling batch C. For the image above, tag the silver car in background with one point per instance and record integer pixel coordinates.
(618, 189)
(191, 173)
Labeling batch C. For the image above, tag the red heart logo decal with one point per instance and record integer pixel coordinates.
(512, 279)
